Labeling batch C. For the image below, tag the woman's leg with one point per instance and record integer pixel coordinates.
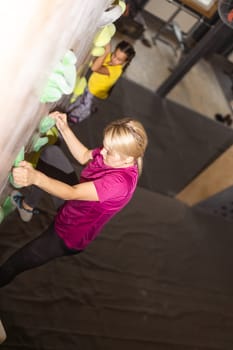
(39, 251)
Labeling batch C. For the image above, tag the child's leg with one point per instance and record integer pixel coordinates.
(76, 103)
(39, 251)
(81, 109)
(81, 100)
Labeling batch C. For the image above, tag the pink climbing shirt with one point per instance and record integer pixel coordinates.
(78, 222)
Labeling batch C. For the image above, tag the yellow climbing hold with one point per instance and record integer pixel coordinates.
(97, 51)
(111, 29)
(103, 37)
(122, 5)
(80, 86)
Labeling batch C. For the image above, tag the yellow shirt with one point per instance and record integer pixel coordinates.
(100, 84)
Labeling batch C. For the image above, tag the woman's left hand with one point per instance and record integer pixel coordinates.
(61, 120)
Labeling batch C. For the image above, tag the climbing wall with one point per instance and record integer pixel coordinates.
(34, 35)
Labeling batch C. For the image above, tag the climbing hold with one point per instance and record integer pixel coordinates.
(97, 51)
(111, 15)
(46, 123)
(52, 135)
(62, 79)
(79, 88)
(6, 208)
(39, 142)
(1, 215)
(102, 38)
(50, 94)
(19, 157)
(111, 29)
(122, 5)
(69, 58)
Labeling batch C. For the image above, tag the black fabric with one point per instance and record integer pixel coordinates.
(181, 142)
(136, 6)
(53, 162)
(37, 252)
(159, 276)
(130, 27)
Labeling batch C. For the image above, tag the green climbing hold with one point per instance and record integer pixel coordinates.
(50, 94)
(11, 179)
(19, 157)
(46, 124)
(6, 208)
(62, 79)
(40, 142)
(69, 58)
(1, 215)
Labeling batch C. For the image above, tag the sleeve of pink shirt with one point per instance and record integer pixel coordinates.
(112, 186)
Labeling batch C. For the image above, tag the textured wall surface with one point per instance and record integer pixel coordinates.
(34, 35)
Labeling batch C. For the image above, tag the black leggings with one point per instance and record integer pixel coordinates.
(48, 245)
(37, 252)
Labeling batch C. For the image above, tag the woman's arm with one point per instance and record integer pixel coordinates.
(97, 65)
(80, 152)
(26, 175)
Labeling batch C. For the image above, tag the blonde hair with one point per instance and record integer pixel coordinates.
(127, 137)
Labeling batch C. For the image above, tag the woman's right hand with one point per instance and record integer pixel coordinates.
(24, 174)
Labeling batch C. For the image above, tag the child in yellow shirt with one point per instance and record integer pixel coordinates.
(106, 70)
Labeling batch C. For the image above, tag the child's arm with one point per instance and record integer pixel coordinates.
(97, 65)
